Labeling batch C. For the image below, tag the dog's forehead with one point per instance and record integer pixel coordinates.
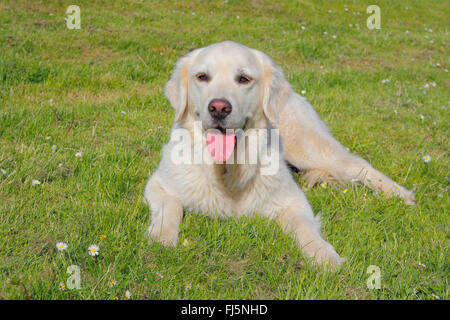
(227, 56)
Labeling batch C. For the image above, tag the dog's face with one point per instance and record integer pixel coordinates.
(226, 86)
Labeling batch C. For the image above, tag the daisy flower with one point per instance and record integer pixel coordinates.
(61, 246)
(324, 185)
(189, 286)
(303, 27)
(35, 182)
(60, 165)
(93, 250)
(334, 36)
(325, 33)
(48, 138)
(62, 286)
(54, 147)
(345, 191)
(159, 275)
(128, 294)
(435, 296)
(112, 283)
(303, 92)
(78, 155)
(426, 158)
(396, 188)
(3, 171)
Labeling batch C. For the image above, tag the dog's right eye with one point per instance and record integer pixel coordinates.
(202, 77)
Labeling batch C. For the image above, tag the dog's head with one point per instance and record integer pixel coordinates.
(227, 86)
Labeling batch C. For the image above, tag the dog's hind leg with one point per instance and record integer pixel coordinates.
(310, 147)
(166, 213)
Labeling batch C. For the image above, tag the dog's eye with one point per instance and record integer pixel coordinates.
(202, 77)
(243, 79)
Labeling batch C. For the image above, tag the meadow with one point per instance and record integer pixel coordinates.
(83, 118)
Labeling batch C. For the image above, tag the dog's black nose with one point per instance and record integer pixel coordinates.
(219, 108)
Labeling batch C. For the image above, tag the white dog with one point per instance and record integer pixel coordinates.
(228, 87)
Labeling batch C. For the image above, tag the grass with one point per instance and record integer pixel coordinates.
(110, 75)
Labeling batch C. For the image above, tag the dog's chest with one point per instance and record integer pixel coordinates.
(222, 190)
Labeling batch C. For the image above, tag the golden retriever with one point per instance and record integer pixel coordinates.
(220, 94)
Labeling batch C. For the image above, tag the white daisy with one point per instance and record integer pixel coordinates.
(421, 264)
(189, 286)
(54, 147)
(62, 286)
(78, 155)
(303, 92)
(334, 36)
(3, 171)
(48, 138)
(60, 165)
(325, 32)
(324, 185)
(396, 189)
(426, 158)
(35, 182)
(128, 294)
(303, 27)
(345, 191)
(61, 246)
(94, 250)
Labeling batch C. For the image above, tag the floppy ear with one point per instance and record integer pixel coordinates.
(176, 89)
(276, 89)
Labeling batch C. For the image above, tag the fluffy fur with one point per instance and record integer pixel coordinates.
(232, 190)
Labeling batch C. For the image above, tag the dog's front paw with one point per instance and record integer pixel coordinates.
(165, 237)
(326, 256)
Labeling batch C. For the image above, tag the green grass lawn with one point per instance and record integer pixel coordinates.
(110, 75)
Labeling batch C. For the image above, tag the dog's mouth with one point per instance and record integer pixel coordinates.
(222, 141)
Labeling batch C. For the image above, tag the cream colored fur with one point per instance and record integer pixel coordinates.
(233, 190)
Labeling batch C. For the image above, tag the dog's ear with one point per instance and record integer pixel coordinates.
(276, 89)
(176, 89)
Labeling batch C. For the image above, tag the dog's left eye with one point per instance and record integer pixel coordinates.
(242, 79)
(202, 77)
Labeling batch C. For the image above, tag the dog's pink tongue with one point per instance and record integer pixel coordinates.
(220, 146)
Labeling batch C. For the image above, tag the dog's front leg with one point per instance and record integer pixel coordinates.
(298, 220)
(166, 214)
